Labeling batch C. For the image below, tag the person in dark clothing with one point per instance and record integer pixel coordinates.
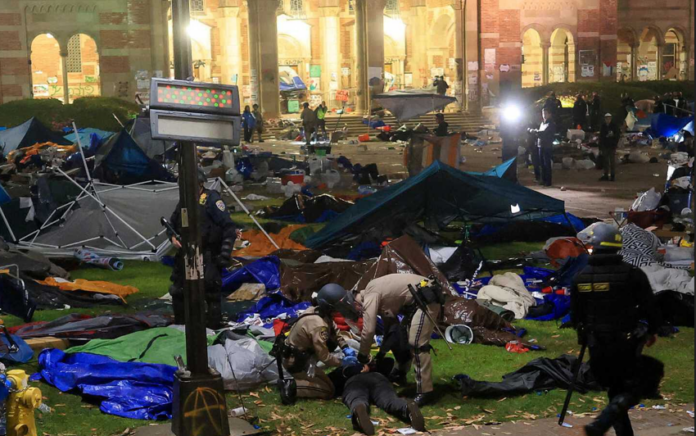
(258, 116)
(554, 105)
(363, 385)
(580, 113)
(442, 86)
(442, 126)
(218, 233)
(682, 107)
(595, 107)
(533, 151)
(248, 124)
(669, 104)
(658, 108)
(609, 300)
(545, 136)
(309, 122)
(609, 136)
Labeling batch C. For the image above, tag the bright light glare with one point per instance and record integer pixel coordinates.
(512, 113)
(197, 30)
(515, 208)
(49, 36)
(395, 28)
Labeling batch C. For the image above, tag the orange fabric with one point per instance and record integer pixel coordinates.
(562, 248)
(261, 246)
(91, 286)
(34, 149)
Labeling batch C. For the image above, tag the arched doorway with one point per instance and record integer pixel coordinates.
(562, 57)
(532, 59)
(82, 64)
(647, 68)
(394, 52)
(299, 78)
(674, 56)
(441, 33)
(46, 68)
(625, 55)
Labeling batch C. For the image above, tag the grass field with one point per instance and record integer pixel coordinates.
(73, 416)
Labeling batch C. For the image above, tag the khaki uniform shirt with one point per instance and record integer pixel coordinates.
(311, 333)
(386, 297)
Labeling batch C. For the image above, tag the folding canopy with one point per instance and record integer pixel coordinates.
(407, 104)
(438, 195)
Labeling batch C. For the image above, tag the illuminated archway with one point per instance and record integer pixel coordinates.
(648, 50)
(83, 67)
(46, 68)
(394, 52)
(674, 56)
(562, 56)
(533, 59)
(625, 61)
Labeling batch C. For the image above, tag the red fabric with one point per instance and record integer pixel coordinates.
(515, 347)
(341, 322)
(563, 248)
(278, 326)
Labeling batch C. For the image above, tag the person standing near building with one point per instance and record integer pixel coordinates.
(545, 135)
(320, 113)
(610, 300)
(442, 86)
(218, 233)
(609, 136)
(442, 128)
(248, 124)
(580, 113)
(309, 122)
(258, 115)
(595, 108)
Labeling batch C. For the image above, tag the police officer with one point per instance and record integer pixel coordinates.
(388, 297)
(312, 338)
(218, 233)
(609, 300)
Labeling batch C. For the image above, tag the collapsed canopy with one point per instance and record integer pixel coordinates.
(27, 134)
(438, 195)
(407, 104)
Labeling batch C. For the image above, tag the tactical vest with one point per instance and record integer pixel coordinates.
(211, 234)
(605, 296)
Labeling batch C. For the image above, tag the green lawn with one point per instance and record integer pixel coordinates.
(72, 416)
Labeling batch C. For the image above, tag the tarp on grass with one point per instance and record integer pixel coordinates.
(27, 134)
(438, 195)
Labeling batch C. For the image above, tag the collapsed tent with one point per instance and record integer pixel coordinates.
(667, 125)
(27, 134)
(305, 209)
(437, 196)
(77, 326)
(122, 161)
(140, 130)
(407, 104)
(85, 136)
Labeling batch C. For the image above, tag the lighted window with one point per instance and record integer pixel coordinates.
(296, 6)
(197, 5)
(74, 55)
(351, 6)
(392, 7)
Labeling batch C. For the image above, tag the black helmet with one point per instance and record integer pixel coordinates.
(602, 237)
(333, 298)
(202, 178)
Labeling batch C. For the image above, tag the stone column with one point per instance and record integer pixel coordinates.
(64, 68)
(374, 23)
(418, 27)
(459, 41)
(230, 51)
(361, 53)
(660, 50)
(472, 54)
(330, 31)
(263, 49)
(545, 63)
(634, 62)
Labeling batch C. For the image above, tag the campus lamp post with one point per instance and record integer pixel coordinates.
(199, 406)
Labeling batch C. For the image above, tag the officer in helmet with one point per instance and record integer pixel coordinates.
(218, 233)
(313, 337)
(613, 310)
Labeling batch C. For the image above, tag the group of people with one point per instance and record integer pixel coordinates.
(313, 120)
(587, 112)
(672, 104)
(252, 121)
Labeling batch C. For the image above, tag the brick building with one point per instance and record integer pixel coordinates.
(341, 48)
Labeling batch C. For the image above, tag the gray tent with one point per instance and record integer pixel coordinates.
(140, 131)
(407, 104)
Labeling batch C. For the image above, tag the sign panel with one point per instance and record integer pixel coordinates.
(181, 95)
(199, 128)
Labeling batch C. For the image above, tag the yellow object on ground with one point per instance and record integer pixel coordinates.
(21, 404)
(261, 246)
(90, 286)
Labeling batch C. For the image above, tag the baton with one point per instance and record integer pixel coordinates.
(571, 388)
(167, 225)
(424, 308)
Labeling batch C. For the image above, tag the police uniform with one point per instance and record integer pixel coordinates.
(608, 300)
(388, 297)
(312, 338)
(218, 233)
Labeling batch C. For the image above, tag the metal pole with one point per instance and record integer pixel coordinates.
(229, 191)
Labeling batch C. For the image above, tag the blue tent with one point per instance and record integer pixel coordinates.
(27, 134)
(437, 196)
(667, 125)
(121, 161)
(296, 85)
(498, 171)
(85, 136)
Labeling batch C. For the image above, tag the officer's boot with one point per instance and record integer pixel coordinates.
(413, 416)
(613, 413)
(361, 420)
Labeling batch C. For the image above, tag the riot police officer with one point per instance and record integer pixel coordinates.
(312, 338)
(218, 233)
(388, 297)
(610, 301)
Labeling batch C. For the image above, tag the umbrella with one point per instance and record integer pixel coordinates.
(407, 104)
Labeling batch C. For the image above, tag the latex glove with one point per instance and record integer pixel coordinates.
(349, 361)
(347, 351)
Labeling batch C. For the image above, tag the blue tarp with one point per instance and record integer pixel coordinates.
(265, 270)
(272, 306)
(498, 171)
(127, 389)
(85, 136)
(4, 196)
(121, 161)
(297, 85)
(667, 125)
(439, 194)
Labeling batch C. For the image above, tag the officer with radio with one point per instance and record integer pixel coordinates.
(218, 233)
(610, 300)
(419, 300)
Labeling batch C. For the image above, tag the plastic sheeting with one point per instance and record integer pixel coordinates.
(127, 389)
(265, 270)
(539, 374)
(407, 104)
(243, 364)
(304, 209)
(298, 282)
(273, 306)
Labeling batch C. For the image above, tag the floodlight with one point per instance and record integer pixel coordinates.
(512, 113)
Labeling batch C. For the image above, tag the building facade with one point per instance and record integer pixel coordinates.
(284, 52)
